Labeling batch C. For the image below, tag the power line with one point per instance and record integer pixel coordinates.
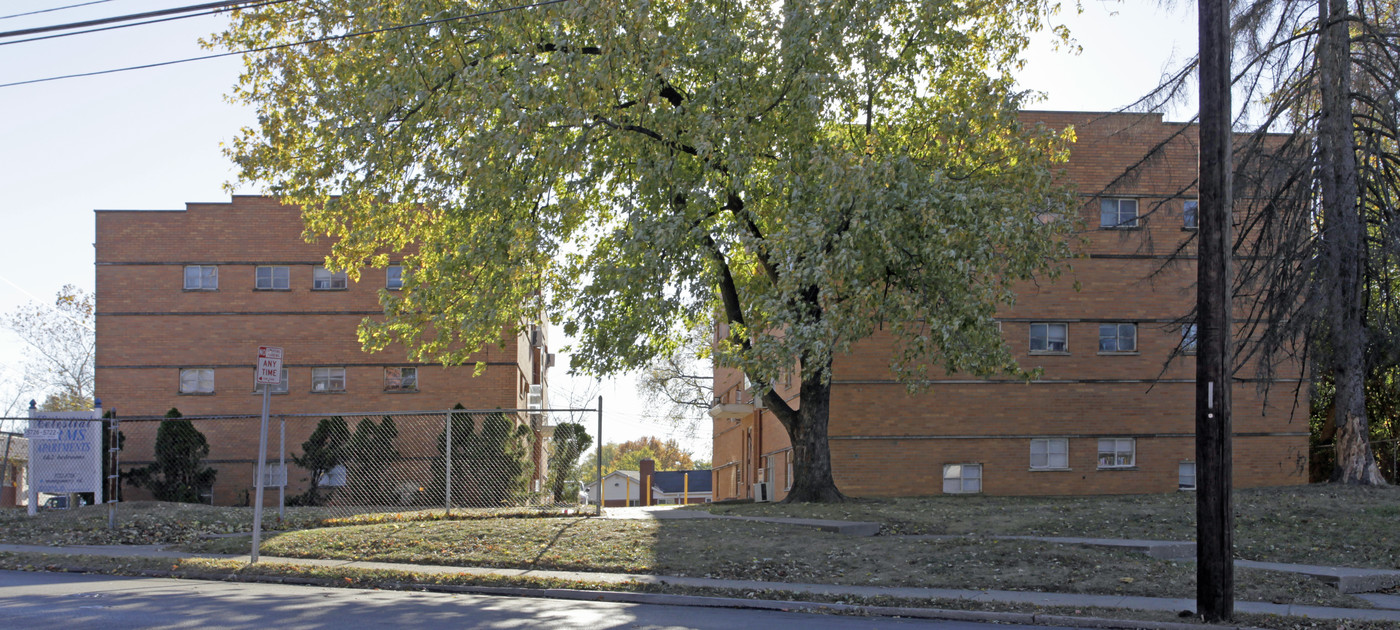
(208, 7)
(130, 25)
(319, 40)
(71, 6)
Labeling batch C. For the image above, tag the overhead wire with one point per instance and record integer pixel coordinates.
(319, 40)
(206, 8)
(71, 6)
(114, 27)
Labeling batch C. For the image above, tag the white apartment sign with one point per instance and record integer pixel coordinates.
(269, 365)
(65, 450)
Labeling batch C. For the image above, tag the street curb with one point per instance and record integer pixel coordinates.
(699, 601)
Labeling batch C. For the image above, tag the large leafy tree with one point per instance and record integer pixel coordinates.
(810, 171)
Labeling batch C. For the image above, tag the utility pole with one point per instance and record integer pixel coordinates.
(1215, 567)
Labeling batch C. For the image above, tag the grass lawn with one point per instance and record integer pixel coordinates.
(154, 522)
(760, 551)
(1317, 524)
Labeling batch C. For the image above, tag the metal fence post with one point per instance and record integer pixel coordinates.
(602, 492)
(115, 478)
(447, 468)
(282, 464)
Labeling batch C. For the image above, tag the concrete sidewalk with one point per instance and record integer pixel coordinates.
(1074, 600)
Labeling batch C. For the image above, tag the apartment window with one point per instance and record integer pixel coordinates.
(328, 379)
(1049, 337)
(1118, 213)
(1050, 454)
(400, 379)
(788, 456)
(1188, 339)
(1117, 337)
(1117, 453)
(334, 478)
(1186, 476)
(1190, 214)
(273, 279)
(323, 279)
(393, 277)
(201, 277)
(279, 388)
(962, 478)
(197, 381)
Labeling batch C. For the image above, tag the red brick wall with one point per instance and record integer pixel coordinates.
(887, 442)
(149, 327)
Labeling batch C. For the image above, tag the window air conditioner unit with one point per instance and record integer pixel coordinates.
(757, 400)
(549, 360)
(762, 492)
(536, 336)
(535, 400)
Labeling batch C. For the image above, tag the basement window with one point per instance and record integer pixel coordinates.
(1117, 453)
(1186, 476)
(327, 379)
(400, 379)
(962, 478)
(1050, 454)
(197, 381)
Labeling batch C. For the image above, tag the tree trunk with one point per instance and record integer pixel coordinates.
(1343, 234)
(811, 466)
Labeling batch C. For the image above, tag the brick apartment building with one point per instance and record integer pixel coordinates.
(1110, 415)
(185, 297)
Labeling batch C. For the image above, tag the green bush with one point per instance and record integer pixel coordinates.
(178, 473)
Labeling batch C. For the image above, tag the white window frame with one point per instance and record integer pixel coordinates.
(1120, 205)
(1191, 214)
(1122, 451)
(788, 457)
(1182, 476)
(333, 478)
(1118, 338)
(1189, 338)
(393, 277)
(323, 279)
(324, 380)
(196, 380)
(956, 479)
(394, 378)
(206, 278)
(272, 273)
(1049, 458)
(1049, 343)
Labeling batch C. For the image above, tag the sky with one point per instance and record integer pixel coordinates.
(153, 139)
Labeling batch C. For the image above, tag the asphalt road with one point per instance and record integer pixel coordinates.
(61, 601)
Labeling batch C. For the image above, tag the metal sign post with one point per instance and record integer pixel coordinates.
(269, 373)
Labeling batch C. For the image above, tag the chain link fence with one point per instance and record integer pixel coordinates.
(349, 464)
